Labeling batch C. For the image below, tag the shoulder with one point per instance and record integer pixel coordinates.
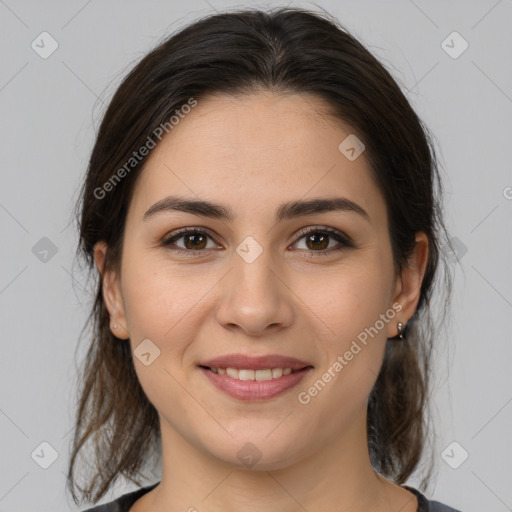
(435, 506)
(123, 503)
(426, 505)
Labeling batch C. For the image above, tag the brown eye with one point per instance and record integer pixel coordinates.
(318, 240)
(194, 240)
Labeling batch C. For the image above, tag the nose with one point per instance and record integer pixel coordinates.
(255, 297)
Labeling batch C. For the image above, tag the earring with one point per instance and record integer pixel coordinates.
(401, 332)
(115, 326)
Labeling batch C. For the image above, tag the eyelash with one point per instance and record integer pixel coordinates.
(344, 241)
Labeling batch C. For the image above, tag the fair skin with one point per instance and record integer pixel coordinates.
(250, 155)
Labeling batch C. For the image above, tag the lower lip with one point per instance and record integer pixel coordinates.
(254, 389)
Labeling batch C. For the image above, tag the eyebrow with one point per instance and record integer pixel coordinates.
(289, 210)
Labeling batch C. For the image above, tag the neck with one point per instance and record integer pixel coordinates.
(338, 476)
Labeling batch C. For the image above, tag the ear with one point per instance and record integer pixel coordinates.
(408, 283)
(112, 295)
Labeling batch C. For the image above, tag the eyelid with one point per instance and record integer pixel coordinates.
(335, 233)
(179, 233)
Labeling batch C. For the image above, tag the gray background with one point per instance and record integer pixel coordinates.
(50, 109)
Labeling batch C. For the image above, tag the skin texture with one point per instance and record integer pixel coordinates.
(251, 154)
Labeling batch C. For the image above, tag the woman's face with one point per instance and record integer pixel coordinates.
(256, 283)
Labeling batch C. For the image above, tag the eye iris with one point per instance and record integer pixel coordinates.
(324, 238)
(194, 237)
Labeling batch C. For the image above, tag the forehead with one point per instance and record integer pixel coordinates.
(255, 151)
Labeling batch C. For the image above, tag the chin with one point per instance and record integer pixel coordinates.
(257, 453)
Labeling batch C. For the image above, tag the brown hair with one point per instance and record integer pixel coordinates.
(238, 52)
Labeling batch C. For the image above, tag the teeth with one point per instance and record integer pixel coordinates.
(243, 374)
(247, 374)
(231, 372)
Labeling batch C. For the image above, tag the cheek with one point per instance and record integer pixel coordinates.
(158, 296)
(351, 357)
(348, 300)
(160, 305)
(355, 313)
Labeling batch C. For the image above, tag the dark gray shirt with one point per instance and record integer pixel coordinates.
(124, 503)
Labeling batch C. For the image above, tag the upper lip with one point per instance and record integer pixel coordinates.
(244, 361)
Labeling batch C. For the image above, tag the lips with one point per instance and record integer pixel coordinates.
(249, 378)
(244, 361)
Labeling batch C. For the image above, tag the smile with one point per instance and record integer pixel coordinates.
(242, 374)
(254, 385)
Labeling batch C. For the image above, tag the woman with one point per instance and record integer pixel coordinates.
(262, 206)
